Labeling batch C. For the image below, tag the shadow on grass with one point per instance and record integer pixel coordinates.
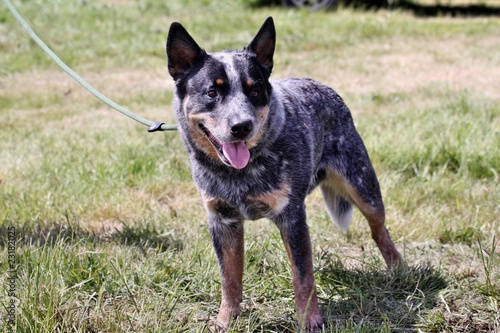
(367, 299)
(282, 326)
(358, 300)
(449, 10)
(426, 10)
(423, 10)
(142, 235)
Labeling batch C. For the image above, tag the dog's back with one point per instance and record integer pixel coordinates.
(319, 139)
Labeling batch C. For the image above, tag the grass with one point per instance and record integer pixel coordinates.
(110, 232)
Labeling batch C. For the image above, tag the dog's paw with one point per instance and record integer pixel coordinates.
(394, 260)
(216, 327)
(224, 318)
(313, 323)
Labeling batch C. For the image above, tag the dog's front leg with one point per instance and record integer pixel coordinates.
(228, 241)
(295, 235)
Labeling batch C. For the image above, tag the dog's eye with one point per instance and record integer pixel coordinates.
(212, 93)
(254, 93)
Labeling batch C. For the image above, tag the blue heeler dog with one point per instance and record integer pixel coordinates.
(257, 147)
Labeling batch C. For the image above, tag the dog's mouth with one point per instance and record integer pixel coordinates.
(235, 154)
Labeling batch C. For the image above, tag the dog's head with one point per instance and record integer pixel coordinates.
(223, 97)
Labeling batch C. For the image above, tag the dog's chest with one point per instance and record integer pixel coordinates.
(268, 204)
(248, 205)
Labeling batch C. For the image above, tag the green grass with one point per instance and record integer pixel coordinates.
(111, 234)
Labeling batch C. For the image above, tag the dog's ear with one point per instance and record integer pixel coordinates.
(263, 44)
(182, 50)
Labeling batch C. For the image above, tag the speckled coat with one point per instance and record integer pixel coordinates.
(257, 147)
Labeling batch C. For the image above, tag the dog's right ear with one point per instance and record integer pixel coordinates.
(182, 50)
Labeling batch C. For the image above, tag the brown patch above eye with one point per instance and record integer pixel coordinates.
(219, 82)
(250, 83)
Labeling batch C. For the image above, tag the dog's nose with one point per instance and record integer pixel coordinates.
(241, 130)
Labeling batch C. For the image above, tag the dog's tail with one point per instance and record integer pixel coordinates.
(339, 209)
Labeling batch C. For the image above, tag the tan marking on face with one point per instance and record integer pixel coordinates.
(249, 83)
(276, 200)
(219, 82)
(200, 140)
(261, 121)
(185, 102)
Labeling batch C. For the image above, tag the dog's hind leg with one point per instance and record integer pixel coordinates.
(364, 192)
(375, 215)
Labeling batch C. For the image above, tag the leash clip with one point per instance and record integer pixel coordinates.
(156, 127)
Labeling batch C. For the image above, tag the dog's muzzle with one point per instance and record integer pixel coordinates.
(234, 153)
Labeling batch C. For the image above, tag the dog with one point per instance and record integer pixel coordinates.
(257, 147)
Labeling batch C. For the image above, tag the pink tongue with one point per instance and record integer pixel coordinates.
(237, 153)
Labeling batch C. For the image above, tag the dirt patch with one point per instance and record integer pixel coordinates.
(114, 84)
(406, 66)
(56, 96)
(104, 228)
(398, 65)
(453, 64)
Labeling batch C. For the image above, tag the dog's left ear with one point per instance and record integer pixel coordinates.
(263, 44)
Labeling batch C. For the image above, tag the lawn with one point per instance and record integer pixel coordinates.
(107, 232)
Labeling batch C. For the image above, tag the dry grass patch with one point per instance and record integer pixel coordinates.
(111, 233)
